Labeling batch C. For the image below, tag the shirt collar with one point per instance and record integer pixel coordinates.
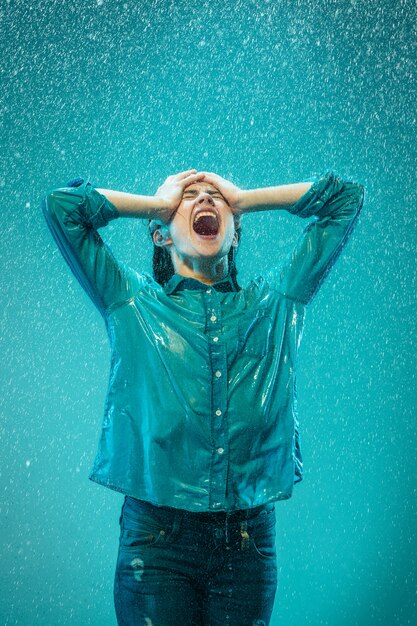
(178, 283)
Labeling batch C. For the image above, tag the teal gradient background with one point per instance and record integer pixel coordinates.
(264, 93)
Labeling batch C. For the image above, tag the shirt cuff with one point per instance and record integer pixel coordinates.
(322, 189)
(95, 209)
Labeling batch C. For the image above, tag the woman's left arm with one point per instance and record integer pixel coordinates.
(263, 199)
(270, 198)
(335, 204)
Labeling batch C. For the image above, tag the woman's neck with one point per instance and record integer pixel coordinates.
(206, 272)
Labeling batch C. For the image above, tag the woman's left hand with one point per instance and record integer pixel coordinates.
(229, 191)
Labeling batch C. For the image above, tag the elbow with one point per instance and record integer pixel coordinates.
(360, 190)
(51, 203)
(48, 204)
(56, 205)
(64, 199)
(359, 197)
(356, 194)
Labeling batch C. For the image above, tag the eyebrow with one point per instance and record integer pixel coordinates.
(196, 191)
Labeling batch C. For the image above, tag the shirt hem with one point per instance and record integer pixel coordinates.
(127, 492)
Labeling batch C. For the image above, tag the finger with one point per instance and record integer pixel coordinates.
(213, 179)
(186, 173)
(213, 175)
(192, 178)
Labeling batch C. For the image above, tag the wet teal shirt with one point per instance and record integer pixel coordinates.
(201, 406)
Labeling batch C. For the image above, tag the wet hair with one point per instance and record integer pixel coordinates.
(163, 268)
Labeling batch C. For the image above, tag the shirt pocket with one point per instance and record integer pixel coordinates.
(255, 334)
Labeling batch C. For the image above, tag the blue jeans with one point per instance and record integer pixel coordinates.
(177, 567)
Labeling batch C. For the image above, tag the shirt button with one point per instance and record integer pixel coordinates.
(220, 450)
(216, 339)
(218, 412)
(208, 291)
(218, 373)
(213, 318)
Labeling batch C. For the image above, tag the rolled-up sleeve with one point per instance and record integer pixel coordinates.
(335, 204)
(73, 215)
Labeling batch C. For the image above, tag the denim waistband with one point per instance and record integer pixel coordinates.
(202, 516)
(237, 515)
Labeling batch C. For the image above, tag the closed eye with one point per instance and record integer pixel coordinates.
(193, 194)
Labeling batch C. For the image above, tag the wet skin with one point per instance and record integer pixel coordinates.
(201, 257)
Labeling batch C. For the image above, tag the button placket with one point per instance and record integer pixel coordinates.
(218, 362)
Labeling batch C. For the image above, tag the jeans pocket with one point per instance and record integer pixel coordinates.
(134, 539)
(138, 527)
(263, 536)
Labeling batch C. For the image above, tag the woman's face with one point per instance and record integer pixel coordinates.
(202, 226)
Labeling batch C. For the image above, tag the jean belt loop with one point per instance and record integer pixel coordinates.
(178, 516)
(244, 543)
(227, 526)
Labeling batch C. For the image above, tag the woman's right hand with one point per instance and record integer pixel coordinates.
(171, 191)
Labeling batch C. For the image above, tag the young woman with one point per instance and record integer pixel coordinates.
(200, 429)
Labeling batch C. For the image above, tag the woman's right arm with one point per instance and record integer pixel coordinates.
(73, 215)
(75, 212)
(133, 205)
(159, 207)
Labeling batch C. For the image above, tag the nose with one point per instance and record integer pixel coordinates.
(204, 197)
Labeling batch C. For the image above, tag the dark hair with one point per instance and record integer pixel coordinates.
(163, 268)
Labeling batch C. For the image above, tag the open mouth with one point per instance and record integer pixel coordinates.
(206, 224)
